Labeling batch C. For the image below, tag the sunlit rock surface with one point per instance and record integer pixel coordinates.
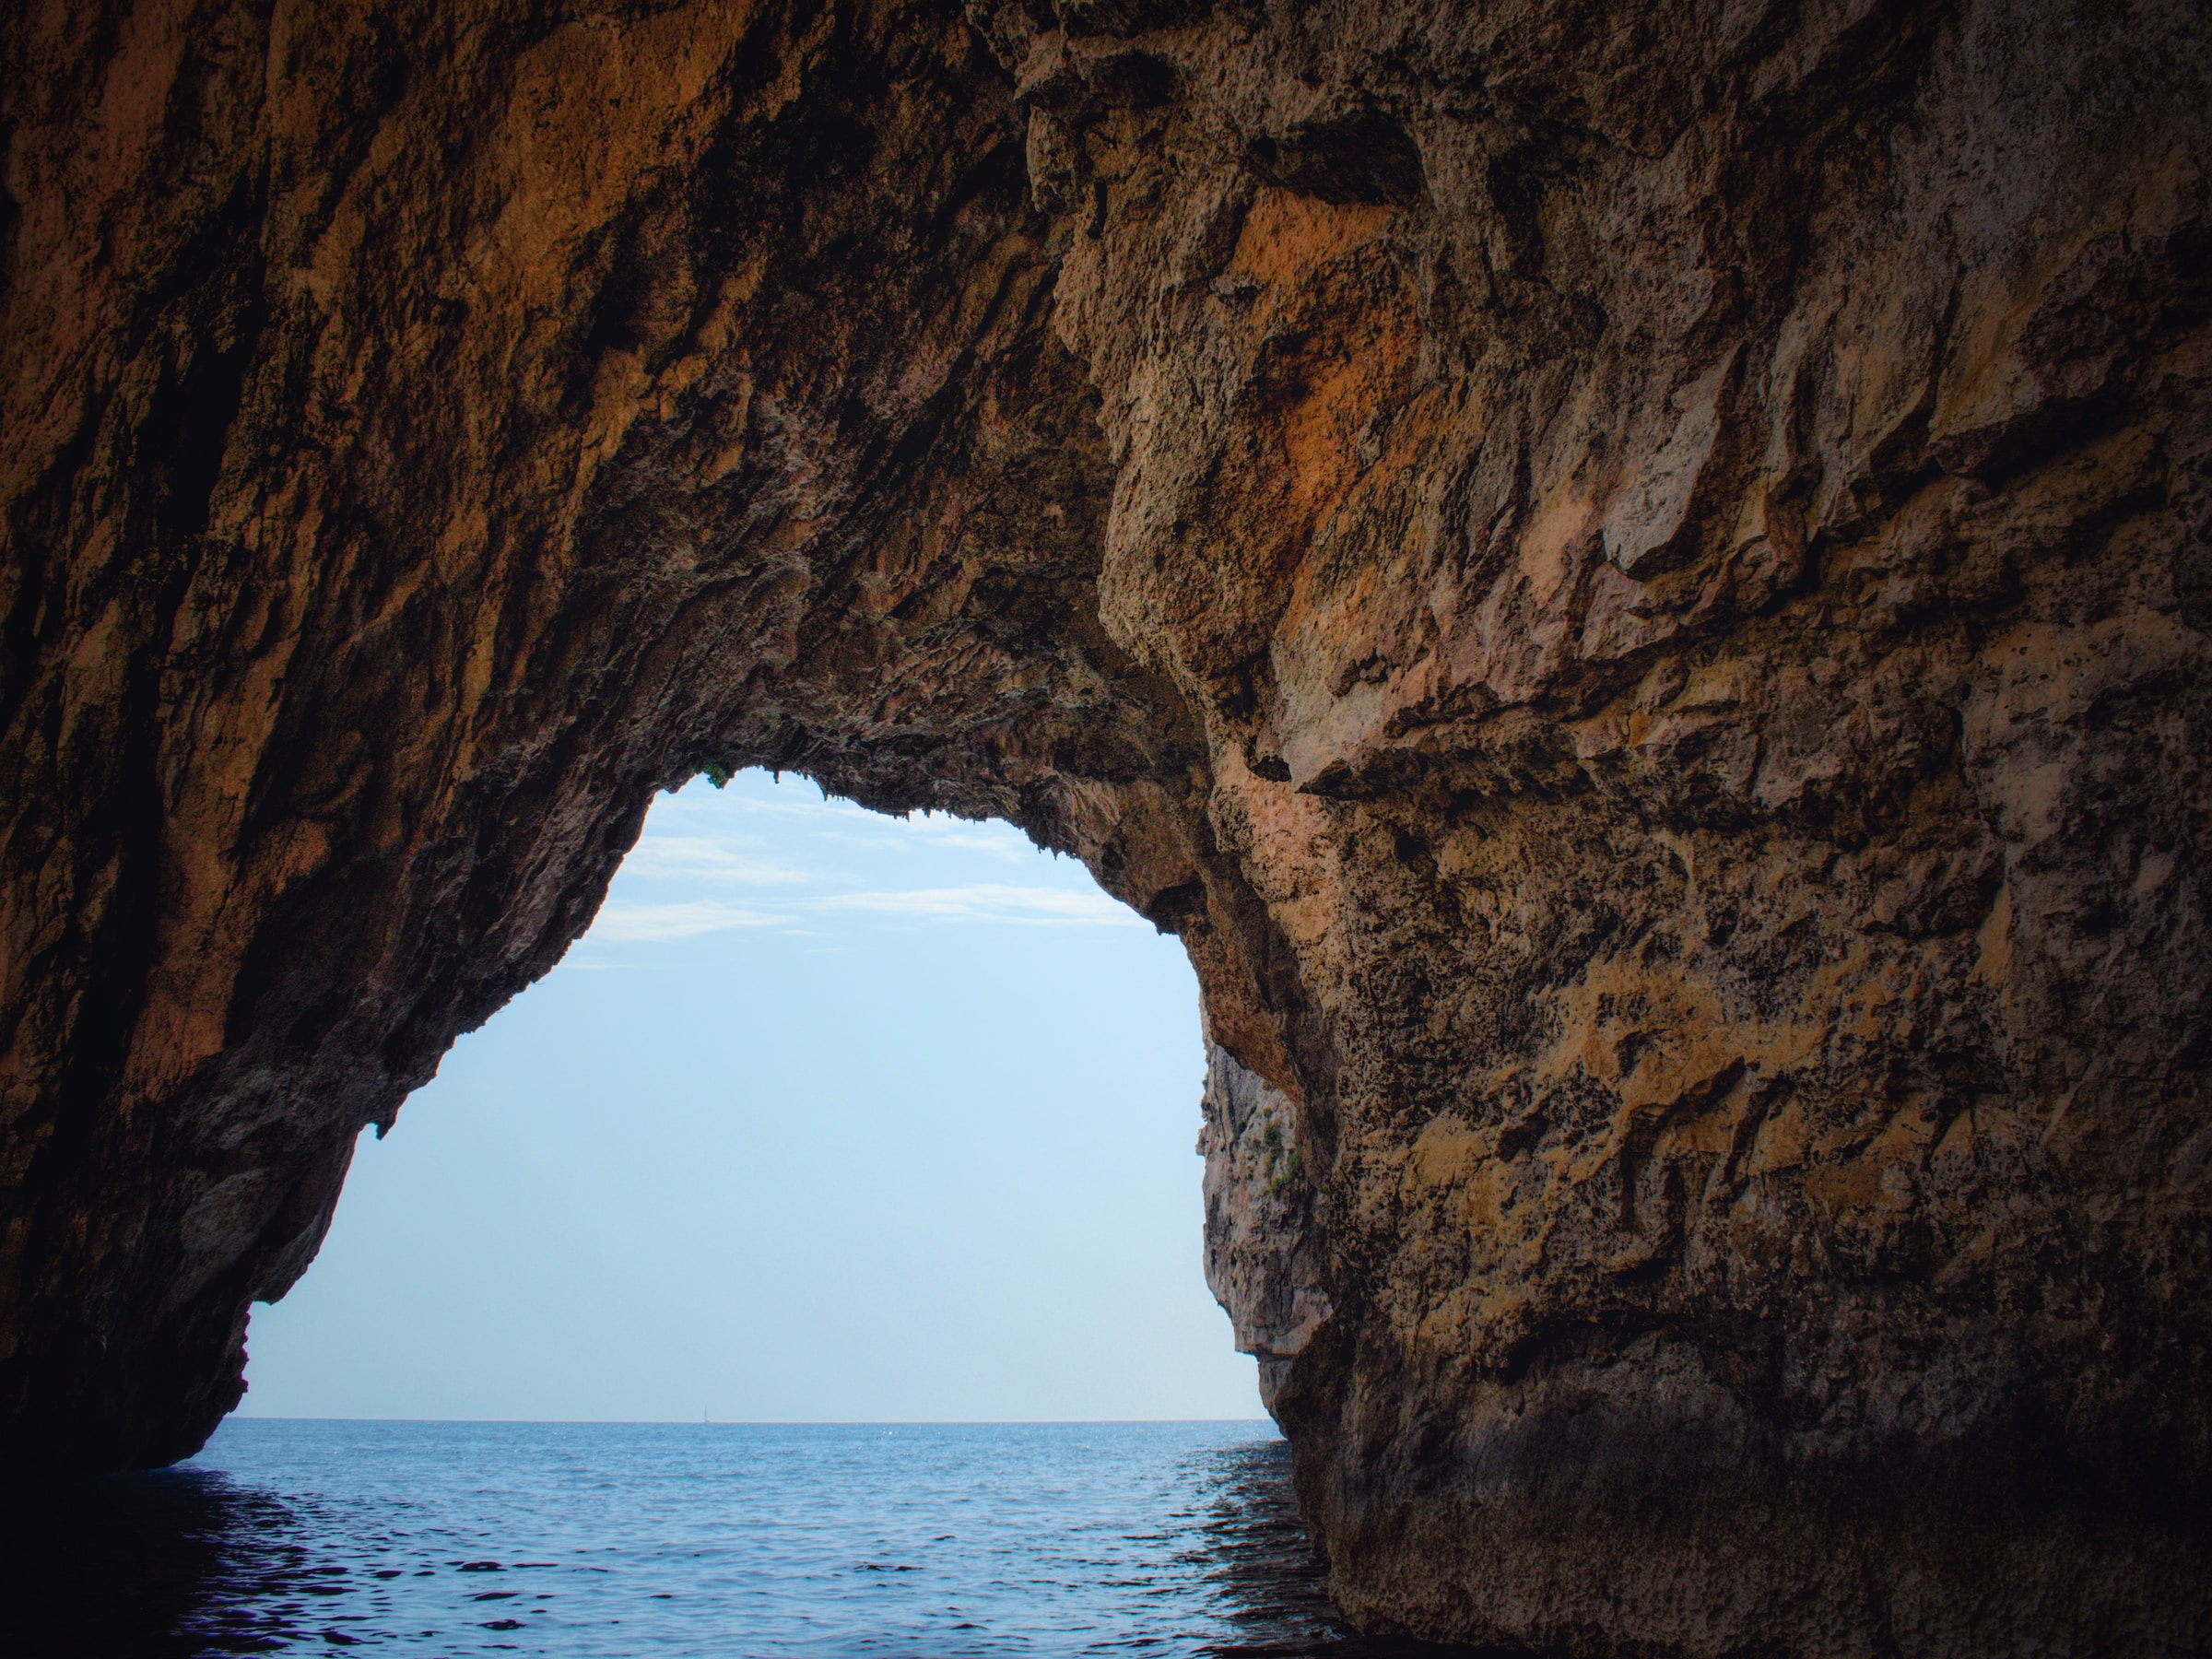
(1263, 1254)
(1631, 580)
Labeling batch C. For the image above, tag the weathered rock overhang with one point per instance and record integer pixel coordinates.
(1632, 582)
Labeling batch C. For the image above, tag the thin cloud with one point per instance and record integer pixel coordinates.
(835, 820)
(714, 863)
(706, 858)
(631, 922)
(627, 921)
(988, 901)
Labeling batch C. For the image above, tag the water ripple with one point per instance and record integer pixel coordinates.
(780, 1541)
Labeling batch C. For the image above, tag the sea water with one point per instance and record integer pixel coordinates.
(650, 1539)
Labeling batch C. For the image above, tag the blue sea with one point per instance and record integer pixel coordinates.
(632, 1539)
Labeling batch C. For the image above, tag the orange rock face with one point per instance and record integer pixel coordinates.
(1633, 582)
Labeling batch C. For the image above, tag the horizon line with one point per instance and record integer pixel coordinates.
(705, 1422)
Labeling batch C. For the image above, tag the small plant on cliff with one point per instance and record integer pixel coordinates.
(1276, 1166)
(716, 773)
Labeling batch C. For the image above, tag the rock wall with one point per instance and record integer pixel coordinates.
(1264, 1261)
(1632, 582)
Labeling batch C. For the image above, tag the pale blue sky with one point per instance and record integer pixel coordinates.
(829, 1117)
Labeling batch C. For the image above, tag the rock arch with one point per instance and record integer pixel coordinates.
(1632, 584)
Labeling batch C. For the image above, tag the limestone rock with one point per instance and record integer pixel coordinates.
(1263, 1257)
(1632, 581)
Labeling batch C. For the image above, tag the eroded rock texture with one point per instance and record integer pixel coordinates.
(1631, 580)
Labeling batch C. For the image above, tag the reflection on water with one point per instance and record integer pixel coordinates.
(954, 1540)
(1254, 1550)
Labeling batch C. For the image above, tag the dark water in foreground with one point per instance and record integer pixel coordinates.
(631, 1539)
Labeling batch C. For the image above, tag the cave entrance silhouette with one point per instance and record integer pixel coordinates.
(830, 1116)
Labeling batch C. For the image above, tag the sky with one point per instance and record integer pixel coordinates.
(829, 1117)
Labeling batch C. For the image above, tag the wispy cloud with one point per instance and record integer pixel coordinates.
(989, 902)
(756, 856)
(824, 820)
(625, 921)
(707, 858)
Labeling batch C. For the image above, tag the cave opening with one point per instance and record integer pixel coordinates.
(830, 1116)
